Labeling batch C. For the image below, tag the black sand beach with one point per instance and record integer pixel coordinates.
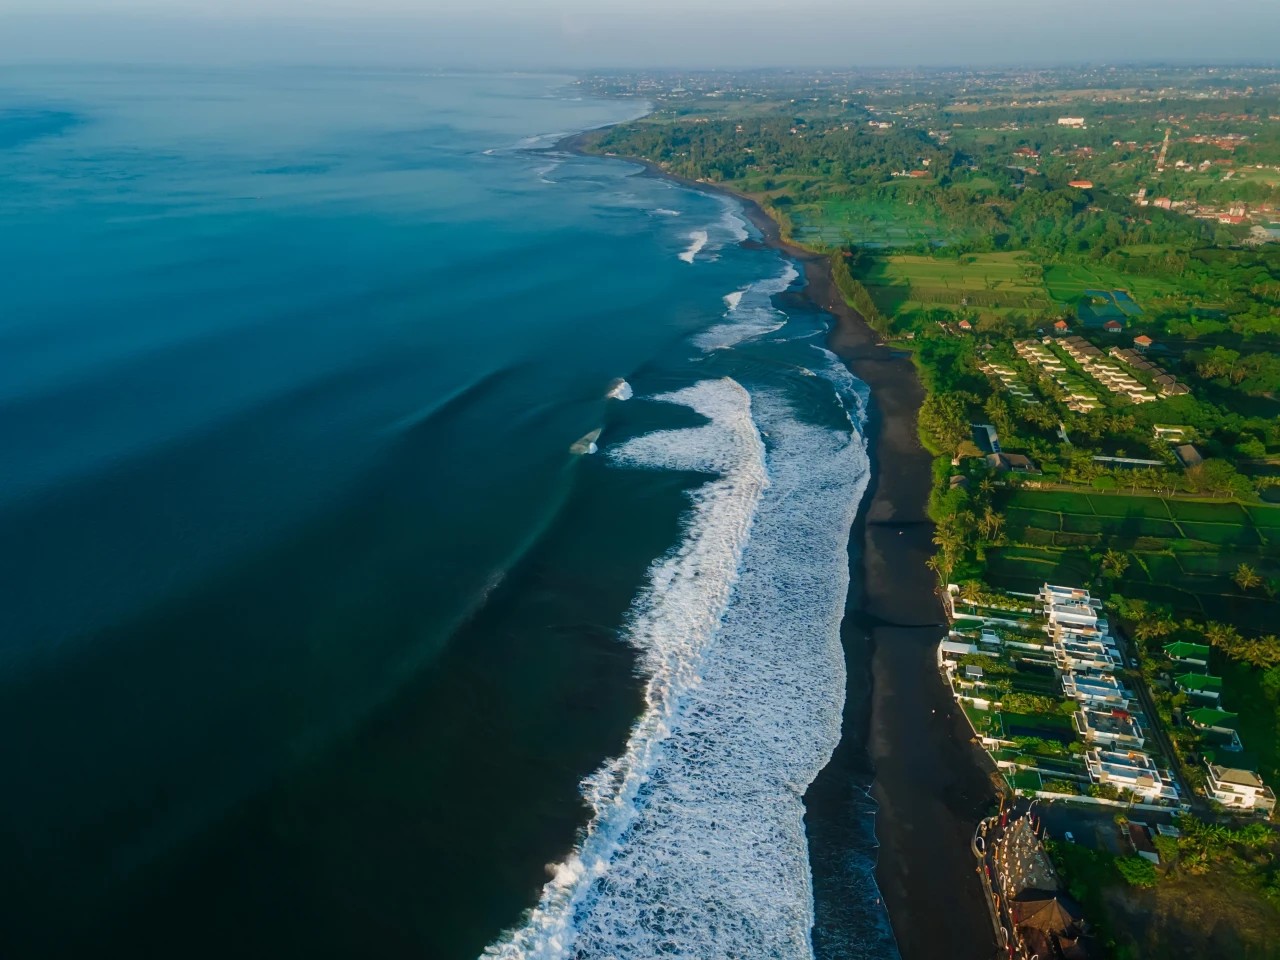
(901, 725)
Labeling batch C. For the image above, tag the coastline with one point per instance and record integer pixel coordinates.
(901, 729)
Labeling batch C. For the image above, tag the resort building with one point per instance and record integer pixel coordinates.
(1240, 789)
(1200, 685)
(1211, 718)
(1096, 690)
(1077, 650)
(1192, 654)
(1133, 771)
(1054, 650)
(1116, 729)
(1065, 607)
(1170, 434)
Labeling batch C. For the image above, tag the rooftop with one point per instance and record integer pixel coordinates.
(1199, 681)
(1209, 717)
(1242, 778)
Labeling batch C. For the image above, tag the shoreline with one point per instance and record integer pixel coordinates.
(901, 729)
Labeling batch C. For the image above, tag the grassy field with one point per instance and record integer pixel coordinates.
(1066, 283)
(865, 222)
(1183, 552)
(906, 282)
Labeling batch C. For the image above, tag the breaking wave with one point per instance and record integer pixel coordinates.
(750, 313)
(696, 846)
(586, 444)
(620, 390)
(733, 222)
(697, 240)
(664, 212)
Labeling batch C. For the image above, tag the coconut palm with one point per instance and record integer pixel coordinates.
(1115, 563)
(1246, 577)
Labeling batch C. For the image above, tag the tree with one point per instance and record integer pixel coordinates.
(1217, 477)
(1223, 636)
(1246, 577)
(1115, 563)
(1137, 871)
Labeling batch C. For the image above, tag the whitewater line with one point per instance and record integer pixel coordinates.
(671, 622)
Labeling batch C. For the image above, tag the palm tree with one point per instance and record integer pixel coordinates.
(995, 522)
(1223, 636)
(1246, 577)
(1115, 563)
(942, 563)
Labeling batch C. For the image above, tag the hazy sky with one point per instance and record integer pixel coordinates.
(685, 33)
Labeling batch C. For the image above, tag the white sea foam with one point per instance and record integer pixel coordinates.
(750, 313)
(620, 390)
(697, 240)
(697, 846)
(664, 212)
(852, 392)
(733, 223)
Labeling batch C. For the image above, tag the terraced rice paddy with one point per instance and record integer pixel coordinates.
(1182, 552)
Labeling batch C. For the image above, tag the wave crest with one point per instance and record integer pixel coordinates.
(750, 312)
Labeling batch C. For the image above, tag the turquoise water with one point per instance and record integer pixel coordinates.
(346, 612)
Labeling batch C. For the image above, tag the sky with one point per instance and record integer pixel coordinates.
(583, 34)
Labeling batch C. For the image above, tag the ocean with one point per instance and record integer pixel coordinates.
(419, 541)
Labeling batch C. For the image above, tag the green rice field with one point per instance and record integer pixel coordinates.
(865, 222)
(981, 280)
(1067, 283)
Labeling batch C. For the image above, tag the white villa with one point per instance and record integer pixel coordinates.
(1239, 789)
(1118, 729)
(1132, 771)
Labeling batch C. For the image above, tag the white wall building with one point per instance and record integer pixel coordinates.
(1239, 789)
(1132, 771)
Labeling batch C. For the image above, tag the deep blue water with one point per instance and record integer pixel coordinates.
(322, 594)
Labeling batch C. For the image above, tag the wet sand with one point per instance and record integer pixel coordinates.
(902, 729)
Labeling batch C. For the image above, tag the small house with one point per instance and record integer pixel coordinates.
(1200, 685)
(1188, 455)
(1211, 718)
(1014, 462)
(1113, 326)
(1196, 654)
(1143, 342)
